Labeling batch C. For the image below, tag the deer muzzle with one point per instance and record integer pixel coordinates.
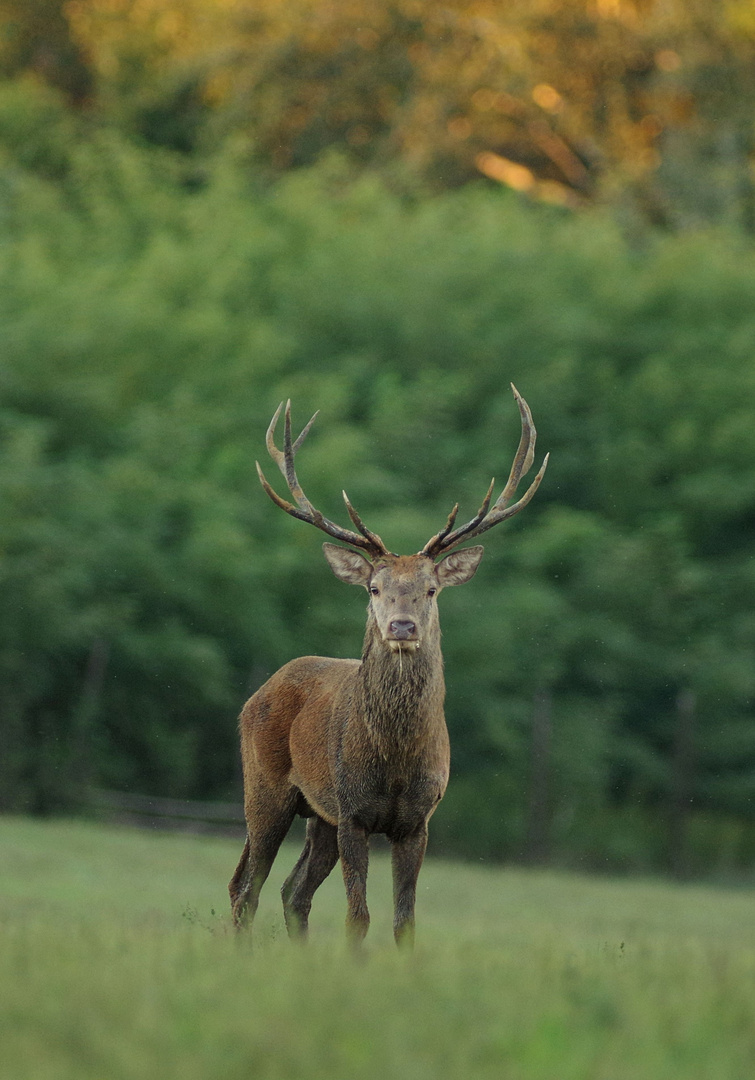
(402, 634)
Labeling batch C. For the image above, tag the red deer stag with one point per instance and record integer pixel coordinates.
(359, 746)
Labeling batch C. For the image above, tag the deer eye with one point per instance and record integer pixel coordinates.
(431, 592)
(374, 590)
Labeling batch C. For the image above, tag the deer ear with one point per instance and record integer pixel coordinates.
(348, 565)
(459, 566)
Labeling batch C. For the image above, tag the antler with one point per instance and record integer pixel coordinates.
(487, 516)
(368, 541)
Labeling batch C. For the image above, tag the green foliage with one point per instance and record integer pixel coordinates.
(647, 106)
(36, 131)
(151, 318)
(126, 968)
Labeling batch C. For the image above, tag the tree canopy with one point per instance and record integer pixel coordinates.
(639, 101)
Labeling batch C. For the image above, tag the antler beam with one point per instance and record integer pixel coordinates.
(487, 516)
(367, 541)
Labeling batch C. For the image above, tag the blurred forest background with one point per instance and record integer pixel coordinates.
(388, 210)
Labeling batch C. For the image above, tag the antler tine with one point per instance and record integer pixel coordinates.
(439, 543)
(282, 459)
(525, 453)
(433, 546)
(480, 515)
(272, 449)
(368, 541)
(486, 518)
(287, 465)
(293, 510)
(495, 517)
(304, 432)
(366, 533)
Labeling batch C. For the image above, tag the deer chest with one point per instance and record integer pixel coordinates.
(383, 802)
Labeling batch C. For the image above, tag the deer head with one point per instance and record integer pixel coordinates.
(403, 589)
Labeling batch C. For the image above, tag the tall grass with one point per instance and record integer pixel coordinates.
(118, 962)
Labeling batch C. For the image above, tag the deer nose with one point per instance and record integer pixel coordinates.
(402, 629)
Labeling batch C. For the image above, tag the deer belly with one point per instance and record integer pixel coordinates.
(321, 800)
(310, 773)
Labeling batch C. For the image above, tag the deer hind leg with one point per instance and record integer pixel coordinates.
(406, 856)
(269, 815)
(318, 858)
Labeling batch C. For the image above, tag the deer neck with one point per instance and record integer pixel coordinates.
(402, 693)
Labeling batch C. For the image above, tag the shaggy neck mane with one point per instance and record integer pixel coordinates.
(402, 692)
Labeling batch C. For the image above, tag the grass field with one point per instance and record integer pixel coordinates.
(116, 962)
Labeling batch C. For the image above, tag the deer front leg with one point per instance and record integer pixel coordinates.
(406, 856)
(353, 847)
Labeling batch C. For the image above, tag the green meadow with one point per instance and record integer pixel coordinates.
(117, 961)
